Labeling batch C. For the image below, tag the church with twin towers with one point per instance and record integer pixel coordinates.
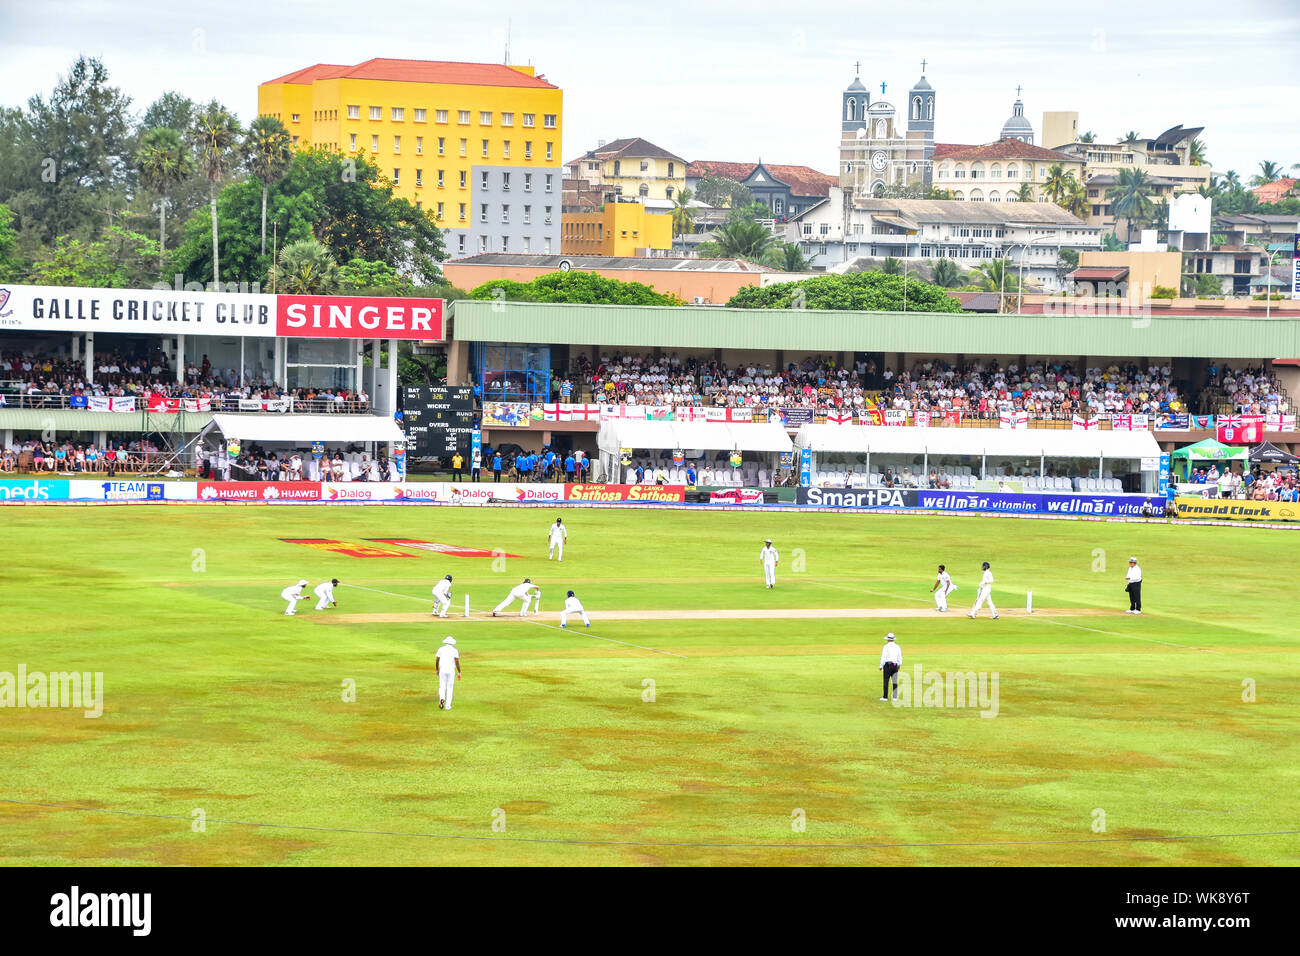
(876, 150)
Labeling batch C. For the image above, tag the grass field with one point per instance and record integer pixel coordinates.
(214, 701)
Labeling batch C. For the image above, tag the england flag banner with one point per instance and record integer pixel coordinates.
(1128, 423)
(1085, 424)
(1279, 423)
(839, 418)
(1013, 420)
(100, 403)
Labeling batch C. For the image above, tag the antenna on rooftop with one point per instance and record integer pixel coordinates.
(507, 42)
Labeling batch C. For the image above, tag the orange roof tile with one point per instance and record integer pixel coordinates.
(1002, 149)
(422, 71)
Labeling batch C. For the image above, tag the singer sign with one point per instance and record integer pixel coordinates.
(358, 317)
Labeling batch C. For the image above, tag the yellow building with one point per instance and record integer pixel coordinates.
(475, 145)
(995, 172)
(631, 168)
(620, 229)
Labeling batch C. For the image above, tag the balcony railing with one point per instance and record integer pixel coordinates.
(295, 406)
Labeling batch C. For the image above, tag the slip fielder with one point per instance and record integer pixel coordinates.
(769, 556)
(520, 592)
(442, 597)
(558, 535)
(325, 594)
(573, 606)
(293, 594)
(943, 586)
(985, 593)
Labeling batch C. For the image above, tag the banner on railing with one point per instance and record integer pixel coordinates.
(839, 418)
(921, 419)
(101, 403)
(1082, 424)
(1279, 423)
(162, 403)
(1128, 423)
(1173, 421)
(1202, 421)
(506, 414)
(1240, 429)
(895, 416)
(1013, 420)
(264, 404)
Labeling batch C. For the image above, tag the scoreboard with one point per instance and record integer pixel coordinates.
(439, 420)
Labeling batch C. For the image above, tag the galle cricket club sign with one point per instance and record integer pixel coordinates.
(230, 314)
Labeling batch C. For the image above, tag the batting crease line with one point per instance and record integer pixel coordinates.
(651, 843)
(1134, 637)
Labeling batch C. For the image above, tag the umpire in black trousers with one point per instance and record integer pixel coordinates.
(1134, 587)
(891, 659)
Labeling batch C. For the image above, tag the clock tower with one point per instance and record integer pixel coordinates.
(876, 152)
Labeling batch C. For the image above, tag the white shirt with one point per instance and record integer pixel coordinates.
(1134, 574)
(558, 533)
(987, 580)
(572, 604)
(442, 589)
(447, 657)
(891, 653)
(522, 590)
(769, 554)
(945, 582)
(292, 592)
(324, 591)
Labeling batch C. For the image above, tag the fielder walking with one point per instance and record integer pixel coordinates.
(985, 593)
(520, 592)
(573, 606)
(293, 594)
(1134, 586)
(448, 671)
(325, 594)
(943, 586)
(442, 597)
(891, 659)
(558, 535)
(769, 556)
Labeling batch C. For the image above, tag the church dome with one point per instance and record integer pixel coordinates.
(1016, 126)
(923, 84)
(856, 85)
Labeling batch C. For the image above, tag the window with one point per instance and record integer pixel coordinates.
(418, 205)
(397, 177)
(528, 215)
(463, 174)
(548, 215)
(419, 146)
(505, 182)
(959, 173)
(354, 112)
(295, 117)
(528, 244)
(505, 243)
(505, 149)
(645, 165)
(460, 241)
(505, 213)
(419, 116)
(618, 168)
(441, 117)
(546, 245)
(352, 141)
(671, 169)
(464, 146)
(550, 151)
(462, 117)
(374, 144)
(528, 182)
(507, 119)
(462, 212)
(442, 146)
(482, 215)
(295, 141)
(376, 112)
(482, 244)
(644, 189)
(1042, 172)
(399, 113)
(529, 119)
(528, 149)
(548, 120)
(485, 149)
(483, 183)
(441, 183)
(825, 229)
(548, 182)
(485, 118)
(668, 193)
(419, 177)
(995, 171)
(397, 144)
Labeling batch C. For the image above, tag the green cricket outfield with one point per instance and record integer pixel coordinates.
(733, 725)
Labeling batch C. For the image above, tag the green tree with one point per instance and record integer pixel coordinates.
(1130, 138)
(1231, 180)
(574, 287)
(360, 276)
(163, 161)
(892, 266)
(1269, 172)
(1208, 285)
(1075, 200)
(1057, 186)
(1110, 243)
(947, 274)
(304, 267)
(268, 153)
(720, 191)
(744, 239)
(9, 265)
(786, 256)
(1131, 198)
(1025, 193)
(1196, 153)
(994, 276)
(118, 259)
(1067, 260)
(683, 218)
(171, 111)
(216, 135)
(1088, 137)
(859, 291)
(934, 192)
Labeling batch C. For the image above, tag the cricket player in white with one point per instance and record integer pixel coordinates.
(558, 535)
(448, 671)
(943, 586)
(292, 594)
(520, 592)
(769, 556)
(891, 659)
(985, 593)
(573, 606)
(325, 594)
(442, 597)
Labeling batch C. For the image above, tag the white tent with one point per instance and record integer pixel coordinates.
(616, 433)
(333, 429)
(994, 442)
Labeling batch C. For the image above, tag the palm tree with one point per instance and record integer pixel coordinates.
(892, 266)
(268, 154)
(1213, 189)
(163, 162)
(994, 276)
(216, 134)
(1231, 181)
(786, 256)
(1057, 186)
(1131, 198)
(1196, 153)
(305, 267)
(1075, 201)
(947, 274)
(683, 218)
(1129, 138)
(1025, 193)
(1269, 172)
(745, 239)
(1088, 137)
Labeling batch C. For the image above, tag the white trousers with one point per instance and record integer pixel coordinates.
(769, 574)
(442, 604)
(446, 687)
(941, 599)
(555, 544)
(511, 600)
(564, 617)
(322, 604)
(985, 594)
(293, 602)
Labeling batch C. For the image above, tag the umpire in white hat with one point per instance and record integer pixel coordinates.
(891, 659)
(1134, 586)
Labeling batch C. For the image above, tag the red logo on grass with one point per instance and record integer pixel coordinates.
(454, 550)
(349, 548)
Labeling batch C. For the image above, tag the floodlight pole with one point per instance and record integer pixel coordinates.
(1268, 291)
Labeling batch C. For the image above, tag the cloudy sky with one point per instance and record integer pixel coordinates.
(730, 81)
